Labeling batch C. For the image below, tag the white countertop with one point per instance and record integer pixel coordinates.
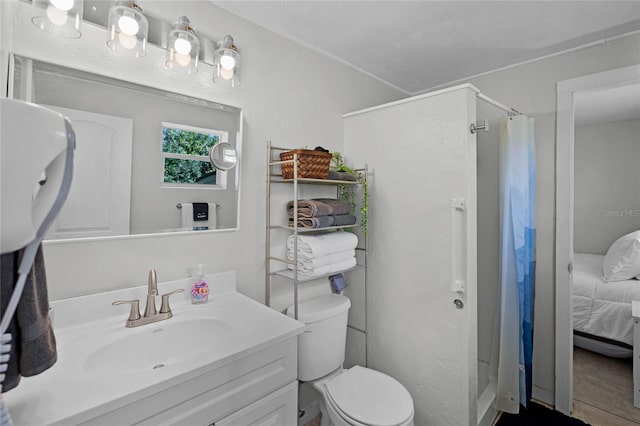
(68, 393)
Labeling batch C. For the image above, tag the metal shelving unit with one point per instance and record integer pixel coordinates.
(288, 273)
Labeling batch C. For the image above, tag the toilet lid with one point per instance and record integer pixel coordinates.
(370, 397)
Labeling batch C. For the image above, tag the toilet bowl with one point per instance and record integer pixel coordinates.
(361, 396)
(357, 396)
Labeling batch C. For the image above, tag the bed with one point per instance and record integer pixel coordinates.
(602, 319)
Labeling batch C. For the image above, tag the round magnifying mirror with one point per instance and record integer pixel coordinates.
(223, 156)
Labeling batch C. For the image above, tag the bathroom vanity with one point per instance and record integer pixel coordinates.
(228, 361)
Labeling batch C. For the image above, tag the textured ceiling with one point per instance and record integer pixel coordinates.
(417, 45)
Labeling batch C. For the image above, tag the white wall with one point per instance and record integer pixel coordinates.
(289, 95)
(607, 184)
(416, 334)
(531, 88)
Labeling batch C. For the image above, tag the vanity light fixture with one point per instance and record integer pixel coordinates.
(226, 63)
(183, 47)
(127, 29)
(60, 17)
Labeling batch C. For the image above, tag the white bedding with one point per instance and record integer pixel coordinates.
(602, 308)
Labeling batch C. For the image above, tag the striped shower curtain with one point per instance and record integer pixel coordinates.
(513, 352)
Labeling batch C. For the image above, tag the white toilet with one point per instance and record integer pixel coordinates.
(358, 396)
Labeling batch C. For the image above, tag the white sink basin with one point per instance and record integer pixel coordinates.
(155, 346)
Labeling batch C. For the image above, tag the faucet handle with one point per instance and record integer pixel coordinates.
(134, 314)
(164, 307)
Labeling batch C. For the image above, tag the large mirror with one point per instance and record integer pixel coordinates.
(142, 157)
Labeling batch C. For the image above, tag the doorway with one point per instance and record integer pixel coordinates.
(572, 108)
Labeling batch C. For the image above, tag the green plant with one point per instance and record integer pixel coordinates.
(348, 192)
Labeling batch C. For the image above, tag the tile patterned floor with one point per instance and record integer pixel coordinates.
(603, 390)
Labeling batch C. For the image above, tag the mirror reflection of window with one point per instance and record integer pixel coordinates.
(185, 156)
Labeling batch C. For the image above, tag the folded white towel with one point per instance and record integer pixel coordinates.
(314, 262)
(327, 269)
(314, 246)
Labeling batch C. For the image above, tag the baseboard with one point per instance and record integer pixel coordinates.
(311, 411)
(543, 395)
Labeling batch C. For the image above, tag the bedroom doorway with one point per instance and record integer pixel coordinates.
(597, 126)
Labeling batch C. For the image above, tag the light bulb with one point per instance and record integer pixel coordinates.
(127, 41)
(182, 60)
(182, 46)
(62, 4)
(226, 74)
(56, 16)
(128, 25)
(227, 62)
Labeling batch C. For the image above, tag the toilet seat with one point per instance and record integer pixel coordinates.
(362, 396)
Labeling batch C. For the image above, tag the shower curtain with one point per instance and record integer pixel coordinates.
(513, 345)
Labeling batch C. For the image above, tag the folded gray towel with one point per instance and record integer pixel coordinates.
(33, 344)
(314, 222)
(344, 219)
(337, 206)
(341, 176)
(310, 208)
(324, 221)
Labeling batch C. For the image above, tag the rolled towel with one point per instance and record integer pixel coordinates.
(320, 245)
(327, 269)
(310, 208)
(327, 259)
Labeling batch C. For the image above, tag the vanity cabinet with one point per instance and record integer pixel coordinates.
(255, 389)
(294, 184)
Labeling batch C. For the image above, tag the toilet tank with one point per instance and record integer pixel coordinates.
(321, 346)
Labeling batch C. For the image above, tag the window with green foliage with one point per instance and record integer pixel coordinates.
(185, 152)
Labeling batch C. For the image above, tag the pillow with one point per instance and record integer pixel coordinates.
(622, 261)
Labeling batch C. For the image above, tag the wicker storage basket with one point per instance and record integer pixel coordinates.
(311, 164)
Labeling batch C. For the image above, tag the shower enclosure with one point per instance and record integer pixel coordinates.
(433, 256)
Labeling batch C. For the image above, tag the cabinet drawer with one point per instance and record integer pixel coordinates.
(214, 394)
(278, 409)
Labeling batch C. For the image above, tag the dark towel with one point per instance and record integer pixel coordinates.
(344, 219)
(200, 211)
(337, 206)
(33, 344)
(341, 176)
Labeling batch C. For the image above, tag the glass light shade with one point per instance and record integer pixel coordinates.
(127, 29)
(226, 63)
(60, 17)
(183, 47)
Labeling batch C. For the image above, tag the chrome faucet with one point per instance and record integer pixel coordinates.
(152, 292)
(150, 313)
